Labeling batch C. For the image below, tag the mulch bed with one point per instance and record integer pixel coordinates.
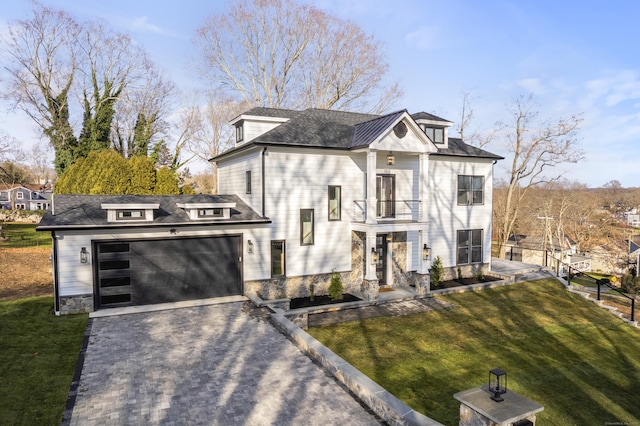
(466, 281)
(305, 302)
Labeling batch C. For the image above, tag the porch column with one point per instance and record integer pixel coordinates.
(424, 188)
(371, 283)
(371, 189)
(423, 279)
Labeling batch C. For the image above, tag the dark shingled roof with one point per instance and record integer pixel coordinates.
(322, 128)
(458, 148)
(84, 211)
(427, 116)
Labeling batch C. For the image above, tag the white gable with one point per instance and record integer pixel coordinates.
(413, 141)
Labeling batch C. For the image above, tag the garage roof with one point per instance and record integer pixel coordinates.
(85, 211)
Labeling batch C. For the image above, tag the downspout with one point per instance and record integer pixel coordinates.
(264, 152)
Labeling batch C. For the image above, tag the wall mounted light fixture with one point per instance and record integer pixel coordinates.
(249, 246)
(84, 255)
(375, 256)
(391, 159)
(426, 252)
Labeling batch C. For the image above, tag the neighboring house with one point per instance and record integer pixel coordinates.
(537, 250)
(631, 217)
(373, 198)
(24, 197)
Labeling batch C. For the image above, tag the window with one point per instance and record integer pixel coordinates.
(277, 258)
(306, 227)
(20, 195)
(239, 132)
(469, 248)
(130, 215)
(470, 190)
(248, 181)
(216, 212)
(435, 134)
(335, 202)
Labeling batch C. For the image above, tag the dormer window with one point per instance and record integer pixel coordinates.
(239, 132)
(436, 134)
(204, 211)
(133, 212)
(214, 212)
(130, 214)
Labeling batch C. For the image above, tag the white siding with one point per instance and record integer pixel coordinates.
(232, 178)
(299, 180)
(75, 278)
(446, 216)
(253, 129)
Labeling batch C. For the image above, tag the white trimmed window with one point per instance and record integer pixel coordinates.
(470, 190)
(306, 227)
(469, 247)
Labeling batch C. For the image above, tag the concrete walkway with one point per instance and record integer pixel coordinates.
(205, 365)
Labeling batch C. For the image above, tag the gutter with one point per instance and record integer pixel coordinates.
(156, 226)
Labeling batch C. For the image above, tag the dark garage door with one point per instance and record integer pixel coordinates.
(167, 270)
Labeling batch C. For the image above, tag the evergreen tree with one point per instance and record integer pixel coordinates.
(166, 182)
(143, 175)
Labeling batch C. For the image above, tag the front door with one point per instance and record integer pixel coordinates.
(385, 193)
(381, 266)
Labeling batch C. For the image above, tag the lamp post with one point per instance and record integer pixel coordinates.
(497, 384)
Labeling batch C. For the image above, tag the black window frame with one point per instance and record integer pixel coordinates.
(240, 131)
(331, 192)
(302, 222)
(282, 263)
(143, 214)
(215, 212)
(467, 190)
(247, 177)
(469, 252)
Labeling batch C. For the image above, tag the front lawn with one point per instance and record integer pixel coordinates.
(560, 350)
(23, 235)
(38, 354)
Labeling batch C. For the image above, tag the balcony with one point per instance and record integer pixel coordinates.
(388, 211)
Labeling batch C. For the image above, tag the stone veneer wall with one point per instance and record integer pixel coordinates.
(76, 304)
(467, 271)
(358, 257)
(292, 287)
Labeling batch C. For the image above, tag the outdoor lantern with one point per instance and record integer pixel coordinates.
(84, 255)
(426, 252)
(497, 384)
(389, 238)
(375, 256)
(249, 247)
(391, 159)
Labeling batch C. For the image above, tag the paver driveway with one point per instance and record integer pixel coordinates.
(204, 365)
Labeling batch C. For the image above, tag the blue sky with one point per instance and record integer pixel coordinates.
(574, 57)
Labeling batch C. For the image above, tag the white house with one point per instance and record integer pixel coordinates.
(373, 198)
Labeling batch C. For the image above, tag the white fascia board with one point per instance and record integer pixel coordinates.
(206, 205)
(130, 206)
(258, 118)
(435, 122)
(417, 131)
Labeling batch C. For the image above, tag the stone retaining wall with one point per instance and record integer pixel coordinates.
(76, 304)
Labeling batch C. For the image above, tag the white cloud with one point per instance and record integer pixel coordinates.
(425, 38)
(533, 85)
(142, 24)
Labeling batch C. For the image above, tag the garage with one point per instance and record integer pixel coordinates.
(142, 272)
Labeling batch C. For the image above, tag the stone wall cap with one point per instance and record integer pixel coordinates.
(514, 407)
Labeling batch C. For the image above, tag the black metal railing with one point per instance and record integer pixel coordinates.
(406, 210)
(574, 272)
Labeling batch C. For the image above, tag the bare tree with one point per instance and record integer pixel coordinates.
(477, 138)
(42, 67)
(141, 113)
(39, 162)
(535, 147)
(282, 54)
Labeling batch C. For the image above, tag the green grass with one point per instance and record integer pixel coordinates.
(38, 354)
(560, 350)
(24, 235)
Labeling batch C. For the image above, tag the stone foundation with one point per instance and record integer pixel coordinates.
(76, 304)
(465, 271)
(292, 287)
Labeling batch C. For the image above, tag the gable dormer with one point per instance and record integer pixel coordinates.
(207, 211)
(257, 121)
(130, 212)
(436, 128)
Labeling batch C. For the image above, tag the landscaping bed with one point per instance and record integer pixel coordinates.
(467, 281)
(305, 302)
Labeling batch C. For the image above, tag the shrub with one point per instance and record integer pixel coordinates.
(335, 288)
(437, 272)
(630, 284)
